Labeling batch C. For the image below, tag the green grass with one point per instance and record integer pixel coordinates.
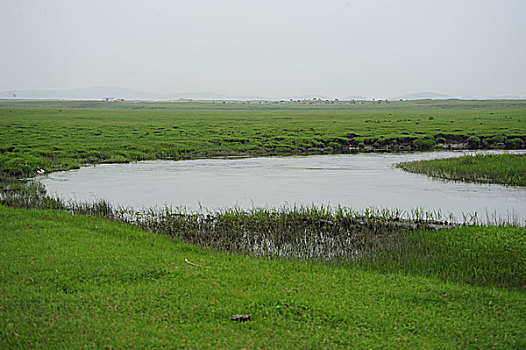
(63, 135)
(479, 255)
(505, 169)
(75, 282)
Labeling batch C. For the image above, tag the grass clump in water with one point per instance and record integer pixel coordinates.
(505, 169)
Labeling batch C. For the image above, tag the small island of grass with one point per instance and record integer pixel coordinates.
(505, 169)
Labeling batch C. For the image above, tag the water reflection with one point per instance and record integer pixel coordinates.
(357, 181)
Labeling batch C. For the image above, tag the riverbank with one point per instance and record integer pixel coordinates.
(74, 281)
(61, 135)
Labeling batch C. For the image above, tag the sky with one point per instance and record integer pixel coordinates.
(372, 48)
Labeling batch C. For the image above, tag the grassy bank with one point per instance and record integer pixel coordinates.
(505, 169)
(63, 135)
(75, 282)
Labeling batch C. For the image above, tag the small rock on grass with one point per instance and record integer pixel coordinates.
(240, 318)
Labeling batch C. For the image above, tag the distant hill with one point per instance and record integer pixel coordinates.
(101, 92)
(354, 97)
(437, 96)
(509, 97)
(304, 97)
(91, 93)
(423, 96)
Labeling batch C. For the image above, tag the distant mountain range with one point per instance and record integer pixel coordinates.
(423, 96)
(436, 96)
(102, 92)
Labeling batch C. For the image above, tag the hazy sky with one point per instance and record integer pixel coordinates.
(374, 48)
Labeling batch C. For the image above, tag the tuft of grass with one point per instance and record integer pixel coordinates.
(75, 281)
(505, 169)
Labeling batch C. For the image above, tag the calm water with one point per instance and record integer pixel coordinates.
(357, 181)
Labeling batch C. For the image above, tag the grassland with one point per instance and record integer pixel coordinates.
(63, 135)
(505, 169)
(70, 281)
(75, 282)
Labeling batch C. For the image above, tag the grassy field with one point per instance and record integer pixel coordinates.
(75, 282)
(505, 169)
(63, 135)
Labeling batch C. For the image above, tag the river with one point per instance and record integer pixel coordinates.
(357, 181)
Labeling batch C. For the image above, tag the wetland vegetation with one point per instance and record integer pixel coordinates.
(505, 169)
(90, 274)
(418, 242)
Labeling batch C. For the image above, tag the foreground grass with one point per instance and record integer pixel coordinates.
(63, 135)
(75, 282)
(505, 169)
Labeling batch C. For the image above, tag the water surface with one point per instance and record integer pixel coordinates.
(358, 181)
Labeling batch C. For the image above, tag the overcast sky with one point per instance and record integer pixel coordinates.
(373, 48)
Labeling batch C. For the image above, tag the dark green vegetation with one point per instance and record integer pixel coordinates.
(505, 169)
(64, 135)
(74, 282)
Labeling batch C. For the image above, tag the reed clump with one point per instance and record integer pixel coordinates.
(302, 233)
(313, 233)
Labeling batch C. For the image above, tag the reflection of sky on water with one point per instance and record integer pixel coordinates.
(355, 181)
